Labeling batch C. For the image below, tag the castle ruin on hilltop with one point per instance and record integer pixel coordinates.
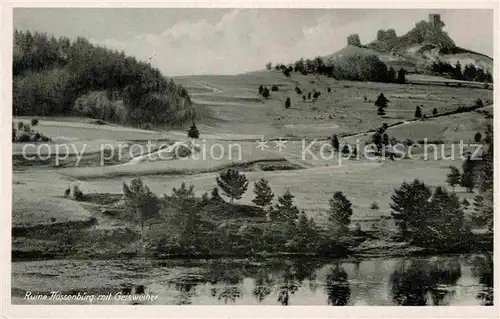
(353, 39)
(388, 35)
(435, 21)
(434, 25)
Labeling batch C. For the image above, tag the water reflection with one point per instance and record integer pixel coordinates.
(446, 280)
(186, 291)
(337, 287)
(413, 281)
(482, 268)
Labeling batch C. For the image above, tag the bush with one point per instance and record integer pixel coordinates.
(193, 131)
(265, 93)
(478, 103)
(288, 103)
(77, 193)
(27, 128)
(24, 137)
(274, 88)
(478, 137)
(34, 122)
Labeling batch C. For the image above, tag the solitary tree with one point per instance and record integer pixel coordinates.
(402, 76)
(381, 101)
(233, 183)
(478, 137)
(374, 206)
(335, 142)
(453, 177)
(265, 93)
(418, 112)
(435, 111)
(141, 201)
(34, 122)
(77, 193)
(288, 103)
(269, 65)
(263, 193)
(193, 131)
(340, 212)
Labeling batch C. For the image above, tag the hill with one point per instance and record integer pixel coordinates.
(62, 77)
(416, 51)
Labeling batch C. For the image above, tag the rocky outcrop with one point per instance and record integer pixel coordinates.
(353, 39)
(388, 35)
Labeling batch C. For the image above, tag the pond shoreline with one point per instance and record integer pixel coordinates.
(378, 249)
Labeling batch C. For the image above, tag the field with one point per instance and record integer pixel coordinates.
(344, 110)
(232, 118)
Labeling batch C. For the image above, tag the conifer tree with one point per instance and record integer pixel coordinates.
(340, 212)
(285, 209)
(233, 183)
(263, 193)
(453, 177)
(381, 101)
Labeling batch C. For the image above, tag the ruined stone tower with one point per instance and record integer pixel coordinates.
(353, 39)
(435, 21)
(388, 35)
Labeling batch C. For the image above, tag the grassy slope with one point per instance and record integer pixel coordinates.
(342, 111)
(37, 192)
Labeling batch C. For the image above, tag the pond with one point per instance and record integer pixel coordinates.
(431, 280)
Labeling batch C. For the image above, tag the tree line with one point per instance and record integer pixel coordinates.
(181, 223)
(60, 77)
(352, 68)
(469, 73)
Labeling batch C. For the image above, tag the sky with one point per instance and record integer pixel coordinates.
(188, 41)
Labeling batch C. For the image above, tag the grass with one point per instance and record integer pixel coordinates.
(342, 111)
(37, 199)
(37, 193)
